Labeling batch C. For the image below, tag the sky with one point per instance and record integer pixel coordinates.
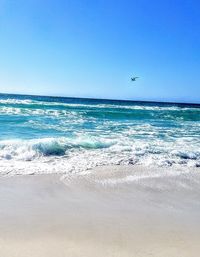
(87, 48)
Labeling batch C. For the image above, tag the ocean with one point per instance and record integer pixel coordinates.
(40, 134)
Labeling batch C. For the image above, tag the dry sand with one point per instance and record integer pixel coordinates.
(114, 211)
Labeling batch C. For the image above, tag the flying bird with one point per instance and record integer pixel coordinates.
(134, 78)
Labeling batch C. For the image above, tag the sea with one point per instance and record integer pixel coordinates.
(41, 134)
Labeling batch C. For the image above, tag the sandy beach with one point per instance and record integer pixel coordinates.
(99, 128)
(111, 211)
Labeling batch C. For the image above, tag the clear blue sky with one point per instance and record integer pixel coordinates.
(90, 48)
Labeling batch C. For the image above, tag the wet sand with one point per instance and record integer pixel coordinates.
(113, 211)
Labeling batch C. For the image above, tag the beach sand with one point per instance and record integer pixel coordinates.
(113, 211)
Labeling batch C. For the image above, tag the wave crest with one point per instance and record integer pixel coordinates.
(31, 149)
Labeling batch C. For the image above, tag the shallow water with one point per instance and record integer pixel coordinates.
(61, 135)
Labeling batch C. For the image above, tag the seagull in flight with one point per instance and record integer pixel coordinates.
(134, 78)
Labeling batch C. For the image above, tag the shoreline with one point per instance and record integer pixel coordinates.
(42, 215)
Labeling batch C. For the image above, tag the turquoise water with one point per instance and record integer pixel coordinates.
(61, 135)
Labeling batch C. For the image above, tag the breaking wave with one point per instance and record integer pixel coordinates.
(64, 155)
(28, 150)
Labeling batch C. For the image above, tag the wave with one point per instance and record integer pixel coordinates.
(78, 154)
(35, 112)
(106, 114)
(132, 106)
(16, 101)
(28, 150)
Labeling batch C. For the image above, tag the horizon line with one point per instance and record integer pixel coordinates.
(104, 99)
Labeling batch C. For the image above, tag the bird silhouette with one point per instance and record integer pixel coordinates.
(134, 78)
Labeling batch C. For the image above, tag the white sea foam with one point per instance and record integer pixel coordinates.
(11, 101)
(77, 137)
(64, 155)
(16, 101)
